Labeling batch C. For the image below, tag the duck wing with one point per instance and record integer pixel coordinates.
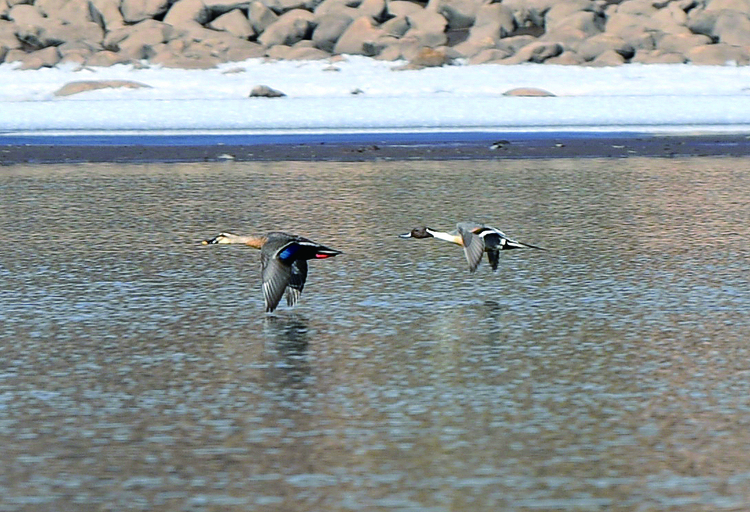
(473, 246)
(276, 276)
(296, 282)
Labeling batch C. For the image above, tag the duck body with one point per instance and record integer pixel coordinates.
(283, 262)
(476, 239)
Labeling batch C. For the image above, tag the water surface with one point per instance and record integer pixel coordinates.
(610, 372)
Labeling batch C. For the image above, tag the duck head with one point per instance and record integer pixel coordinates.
(420, 232)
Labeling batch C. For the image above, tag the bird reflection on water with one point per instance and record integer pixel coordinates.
(287, 343)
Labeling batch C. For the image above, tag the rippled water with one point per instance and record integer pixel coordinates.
(611, 372)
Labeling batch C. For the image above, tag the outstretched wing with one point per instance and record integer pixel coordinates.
(473, 247)
(296, 282)
(276, 277)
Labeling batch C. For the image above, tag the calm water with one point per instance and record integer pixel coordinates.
(611, 372)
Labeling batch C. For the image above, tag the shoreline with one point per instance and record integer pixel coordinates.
(16, 150)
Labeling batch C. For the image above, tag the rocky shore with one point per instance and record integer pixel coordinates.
(204, 33)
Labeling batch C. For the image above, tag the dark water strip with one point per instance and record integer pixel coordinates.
(75, 148)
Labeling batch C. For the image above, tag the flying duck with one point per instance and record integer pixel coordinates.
(476, 239)
(283, 262)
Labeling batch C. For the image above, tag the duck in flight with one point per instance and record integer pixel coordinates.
(283, 262)
(476, 239)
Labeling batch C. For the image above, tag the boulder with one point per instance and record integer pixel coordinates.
(106, 58)
(187, 12)
(536, 52)
(375, 9)
(529, 12)
(44, 58)
(733, 28)
(402, 8)
(718, 55)
(566, 58)
(529, 92)
(260, 16)
(657, 57)
(594, 46)
(681, 43)
(73, 12)
(360, 38)
(263, 91)
(427, 28)
(234, 22)
(608, 58)
(289, 28)
(493, 22)
(106, 13)
(458, 13)
(91, 85)
(134, 11)
(329, 29)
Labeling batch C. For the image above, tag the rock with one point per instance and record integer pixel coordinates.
(360, 38)
(73, 12)
(528, 92)
(566, 58)
(657, 57)
(529, 12)
(493, 22)
(458, 13)
(329, 29)
(8, 37)
(718, 55)
(535, 52)
(594, 46)
(429, 58)
(106, 13)
(44, 58)
(396, 27)
(134, 11)
(402, 8)
(489, 55)
(260, 16)
(263, 91)
(733, 27)
(682, 43)
(375, 9)
(91, 85)
(235, 23)
(608, 58)
(186, 12)
(106, 58)
(289, 28)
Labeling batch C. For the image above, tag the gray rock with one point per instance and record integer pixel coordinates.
(44, 58)
(594, 46)
(733, 28)
(681, 43)
(263, 91)
(536, 52)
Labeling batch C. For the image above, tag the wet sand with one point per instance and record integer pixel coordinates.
(364, 147)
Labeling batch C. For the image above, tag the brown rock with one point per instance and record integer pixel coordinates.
(289, 28)
(594, 46)
(106, 13)
(528, 92)
(608, 58)
(73, 12)
(718, 55)
(106, 58)
(44, 58)
(535, 52)
(360, 38)
(488, 55)
(91, 85)
(733, 27)
(134, 11)
(657, 57)
(260, 16)
(402, 8)
(493, 21)
(329, 29)
(458, 13)
(682, 43)
(187, 12)
(234, 22)
(429, 58)
(566, 58)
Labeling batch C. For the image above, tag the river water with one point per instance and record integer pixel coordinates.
(610, 372)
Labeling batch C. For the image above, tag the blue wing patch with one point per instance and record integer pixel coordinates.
(288, 252)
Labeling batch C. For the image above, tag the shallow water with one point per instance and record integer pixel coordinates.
(610, 372)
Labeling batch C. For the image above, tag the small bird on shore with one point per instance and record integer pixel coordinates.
(476, 239)
(283, 262)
